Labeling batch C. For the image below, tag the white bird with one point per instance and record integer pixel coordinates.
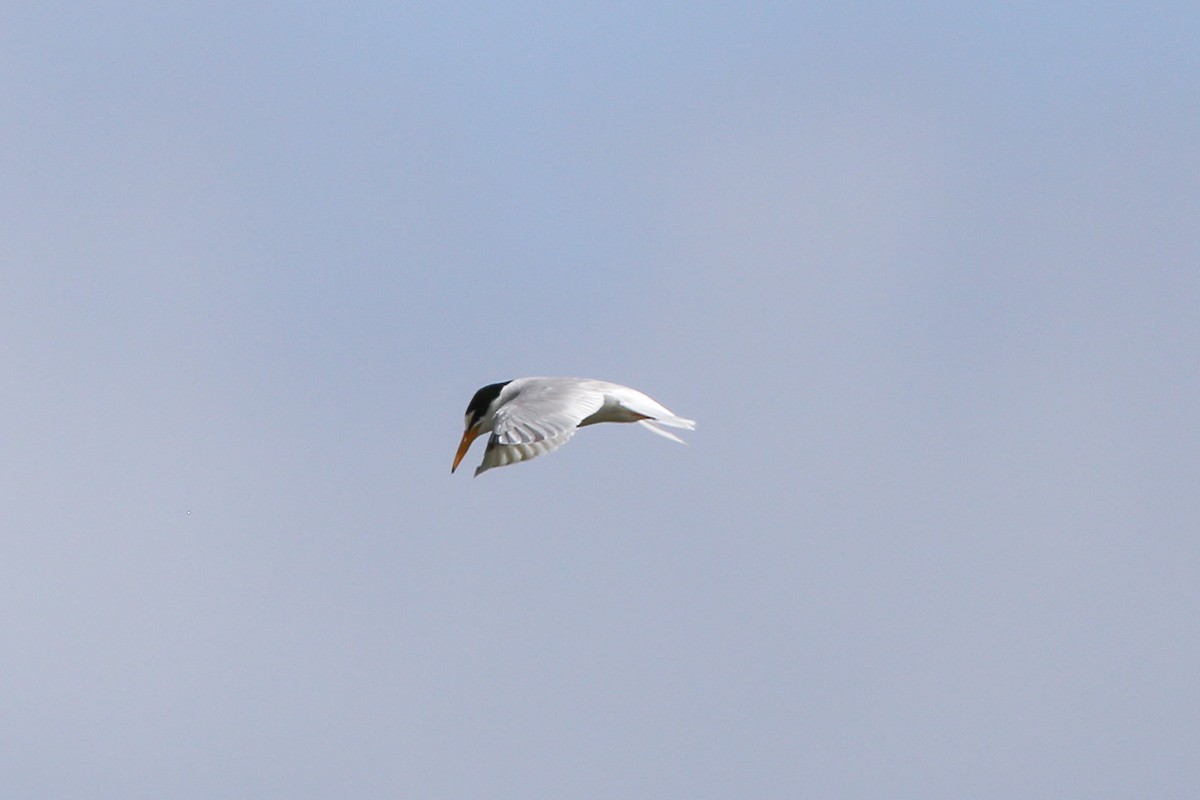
(531, 416)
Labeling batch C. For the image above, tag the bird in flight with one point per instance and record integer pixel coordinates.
(531, 416)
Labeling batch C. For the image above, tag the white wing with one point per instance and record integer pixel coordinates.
(541, 416)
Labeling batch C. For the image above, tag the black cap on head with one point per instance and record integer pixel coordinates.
(482, 399)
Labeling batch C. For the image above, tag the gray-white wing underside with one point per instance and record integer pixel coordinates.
(540, 418)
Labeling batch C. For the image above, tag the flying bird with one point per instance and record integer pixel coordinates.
(531, 416)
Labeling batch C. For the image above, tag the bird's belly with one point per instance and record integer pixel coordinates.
(612, 411)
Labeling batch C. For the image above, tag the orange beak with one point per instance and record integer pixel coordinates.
(469, 435)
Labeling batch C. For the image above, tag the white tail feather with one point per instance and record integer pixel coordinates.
(675, 422)
(650, 426)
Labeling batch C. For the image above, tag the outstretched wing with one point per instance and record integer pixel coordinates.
(541, 417)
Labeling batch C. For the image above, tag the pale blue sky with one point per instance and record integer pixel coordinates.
(926, 276)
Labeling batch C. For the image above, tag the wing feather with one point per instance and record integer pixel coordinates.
(545, 410)
(541, 417)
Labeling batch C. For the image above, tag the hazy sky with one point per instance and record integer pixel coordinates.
(928, 277)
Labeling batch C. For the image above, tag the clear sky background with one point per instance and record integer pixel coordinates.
(928, 276)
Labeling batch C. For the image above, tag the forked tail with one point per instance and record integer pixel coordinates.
(672, 421)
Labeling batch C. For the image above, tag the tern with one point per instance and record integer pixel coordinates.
(531, 416)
